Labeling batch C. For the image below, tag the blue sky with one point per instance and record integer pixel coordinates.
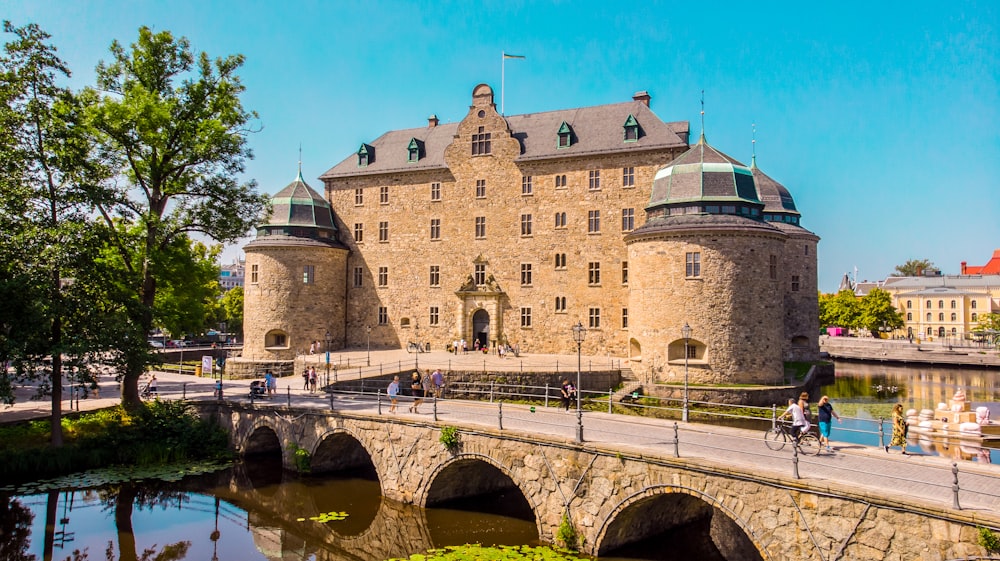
(881, 118)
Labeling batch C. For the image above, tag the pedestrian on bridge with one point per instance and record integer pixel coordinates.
(393, 392)
(899, 429)
(568, 392)
(417, 390)
(826, 415)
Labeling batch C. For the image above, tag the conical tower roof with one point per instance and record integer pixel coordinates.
(297, 211)
(778, 203)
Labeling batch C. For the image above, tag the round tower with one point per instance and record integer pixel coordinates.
(295, 283)
(705, 258)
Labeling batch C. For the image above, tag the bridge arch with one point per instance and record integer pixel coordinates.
(659, 508)
(340, 450)
(261, 439)
(469, 475)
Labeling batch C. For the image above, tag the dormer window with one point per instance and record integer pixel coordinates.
(413, 150)
(565, 136)
(366, 155)
(631, 129)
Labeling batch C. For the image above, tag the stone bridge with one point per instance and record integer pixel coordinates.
(611, 495)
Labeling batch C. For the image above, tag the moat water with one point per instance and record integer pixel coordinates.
(256, 512)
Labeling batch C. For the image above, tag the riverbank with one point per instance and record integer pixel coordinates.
(942, 351)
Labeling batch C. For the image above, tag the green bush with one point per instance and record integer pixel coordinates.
(449, 437)
(989, 540)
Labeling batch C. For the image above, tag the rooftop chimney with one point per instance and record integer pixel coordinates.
(432, 121)
(642, 96)
(963, 267)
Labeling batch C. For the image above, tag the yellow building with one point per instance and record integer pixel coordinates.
(943, 306)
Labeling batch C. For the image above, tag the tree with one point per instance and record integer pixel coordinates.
(876, 311)
(988, 322)
(175, 124)
(187, 301)
(840, 310)
(232, 306)
(913, 268)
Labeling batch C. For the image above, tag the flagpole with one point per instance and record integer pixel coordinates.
(503, 64)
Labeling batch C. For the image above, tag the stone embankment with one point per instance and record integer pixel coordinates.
(957, 353)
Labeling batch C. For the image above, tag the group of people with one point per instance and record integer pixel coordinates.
(266, 387)
(431, 384)
(801, 416)
(309, 379)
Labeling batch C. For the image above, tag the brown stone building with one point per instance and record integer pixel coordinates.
(511, 229)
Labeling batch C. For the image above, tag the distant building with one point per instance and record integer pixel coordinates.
(943, 306)
(231, 275)
(992, 267)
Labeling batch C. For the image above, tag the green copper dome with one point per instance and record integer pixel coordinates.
(299, 211)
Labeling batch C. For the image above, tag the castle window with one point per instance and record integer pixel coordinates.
(909, 316)
(253, 274)
(560, 220)
(560, 304)
(276, 339)
(560, 261)
(434, 316)
(481, 144)
(560, 182)
(526, 188)
(593, 273)
(624, 272)
(383, 276)
(624, 318)
(383, 315)
(480, 188)
(594, 318)
(413, 150)
(383, 195)
(309, 274)
(359, 232)
(795, 283)
(525, 274)
(594, 222)
(692, 264)
(772, 267)
(358, 276)
(525, 318)
(631, 129)
(594, 180)
(435, 191)
(952, 304)
(435, 228)
(480, 227)
(628, 219)
(435, 275)
(480, 272)
(564, 136)
(383, 231)
(365, 155)
(359, 197)
(807, 250)
(628, 177)
(525, 225)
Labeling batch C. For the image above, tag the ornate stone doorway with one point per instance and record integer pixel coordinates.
(481, 327)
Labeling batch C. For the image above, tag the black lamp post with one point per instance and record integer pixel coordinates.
(368, 330)
(579, 333)
(328, 357)
(686, 333)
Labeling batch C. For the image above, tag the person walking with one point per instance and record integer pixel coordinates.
(305, 378)
(393, 392)
(799, 422)
(825, 415)
(899, 429)
(312, 379)
(437, 378)
(270, 383)
(417, 390)
(567, 392)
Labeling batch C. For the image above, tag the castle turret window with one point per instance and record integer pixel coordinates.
(309, 274)
(624, 272)
(692, 264)
(560, 304)
(795, 283)
(624, 318)
(560, 261)
(560, 220)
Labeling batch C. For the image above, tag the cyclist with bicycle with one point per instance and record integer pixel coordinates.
(799, 422)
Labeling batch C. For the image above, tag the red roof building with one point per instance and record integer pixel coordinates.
(992, 267)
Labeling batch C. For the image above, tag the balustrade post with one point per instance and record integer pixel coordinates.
(774, 415)
(491, 391)
(378, 400)
(881, 432)
(434, 407)
(546, 394)
(331, 400)
(579, 424)
(795, 460)
(289, 389)
(500, 414)
(611, 393)
(954, 486)
(677, 441)
(251, 397)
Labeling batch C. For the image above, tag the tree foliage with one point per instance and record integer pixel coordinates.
(232, 308)
(988, 321)
(913, 268)
(876, 311)
(839, 310)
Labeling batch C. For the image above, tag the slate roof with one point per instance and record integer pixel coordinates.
(958, 282)
(596, 130)
(299, 205)
(703, 174)
(774, 195)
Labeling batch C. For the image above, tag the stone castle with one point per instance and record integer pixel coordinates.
(510, 230)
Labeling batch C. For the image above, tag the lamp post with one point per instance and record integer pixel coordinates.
(686, 333)
(578, 335)
(328, 358)
(368, 330)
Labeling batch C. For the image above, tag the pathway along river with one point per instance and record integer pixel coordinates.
(252, 511)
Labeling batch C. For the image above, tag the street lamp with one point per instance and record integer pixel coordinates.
(368, 330)
(686, 333)
(328, 357)
(578, 334)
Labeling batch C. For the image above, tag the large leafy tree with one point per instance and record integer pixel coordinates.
(876, 311)
(913, 268)
(188, 299)
(175, 124)
(839, 310)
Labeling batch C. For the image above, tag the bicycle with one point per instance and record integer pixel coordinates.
(780, 434)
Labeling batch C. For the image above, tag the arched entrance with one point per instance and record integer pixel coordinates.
(481, 327)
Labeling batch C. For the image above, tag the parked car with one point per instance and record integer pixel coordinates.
(177, 344)
(155, 344)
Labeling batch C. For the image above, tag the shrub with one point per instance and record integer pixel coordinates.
(449, 437)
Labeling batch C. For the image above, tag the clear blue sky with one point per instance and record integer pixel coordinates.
(881, 118)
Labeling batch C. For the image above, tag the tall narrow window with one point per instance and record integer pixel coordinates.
(383, 276)
(594, 317)
(525, 224)
(309, 274)
(435, 228)
(525, 274)
(953, 304)
(525, 317)
(434, 316)
(909, 304)
(359, 197)
(560, 304)
(772, 267)
(941, 304)
(624, 318)
(692, 264)
(954, 316)
(624, 272)
(383, 231)
(480, 278)
(383, 195)
(940, 317)
(594, 179)
(593, 222)
(929, 305)
(560, 182)
(973, 304)
(254, 269)
(359, 232)
(481, 144)
(560, 261)
(480, 188)
(480, 227)
(435, 191)
(560, 220)
(795, 283)
(628, 177)
(526, 188)
(359, 275)
(435, 275)
(383, 315)
(628, 219)
(909, 316)
(593, 273)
